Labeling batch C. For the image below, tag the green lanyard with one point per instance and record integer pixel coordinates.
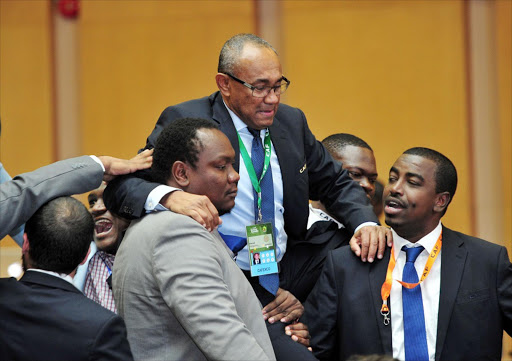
(250, 168)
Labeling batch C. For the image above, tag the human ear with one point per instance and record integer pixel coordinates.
(180, 173)
(442, 201)
(26, 245)
(222, 81)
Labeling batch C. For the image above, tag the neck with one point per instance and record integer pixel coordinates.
(319, 205)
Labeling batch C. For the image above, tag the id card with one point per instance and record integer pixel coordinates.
(262, 249)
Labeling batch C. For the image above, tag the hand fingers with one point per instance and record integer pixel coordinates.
(299, 333)
(382, 242)
(354, 246)
(373, 242)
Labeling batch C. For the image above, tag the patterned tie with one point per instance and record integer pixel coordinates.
(269, 282)
(415, 337)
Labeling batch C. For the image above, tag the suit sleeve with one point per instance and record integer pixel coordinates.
(111, 343)
(332, 185)
(22, 196)
(127, 195)
(505, 289)
(188, 271)
(320, 313)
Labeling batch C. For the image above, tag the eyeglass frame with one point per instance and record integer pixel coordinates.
(252, 87)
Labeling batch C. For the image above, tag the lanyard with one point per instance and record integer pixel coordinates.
(250, 168)
(386, 286)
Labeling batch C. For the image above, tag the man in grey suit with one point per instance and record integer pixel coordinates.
(463, 301)
(23, 195)
(176, 284)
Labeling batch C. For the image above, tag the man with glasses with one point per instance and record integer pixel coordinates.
(281, 167)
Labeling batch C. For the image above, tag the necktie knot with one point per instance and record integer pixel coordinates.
(412, 253)
(255, 132)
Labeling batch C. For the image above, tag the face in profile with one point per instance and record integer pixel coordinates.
(361, 166)
(108, 229)
(213, 174)
(260, 67)
(410, 197)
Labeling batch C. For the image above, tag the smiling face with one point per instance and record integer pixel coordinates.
(214, 175)
(108, 229)
(258, 66)
(361, 166)
(411, 205)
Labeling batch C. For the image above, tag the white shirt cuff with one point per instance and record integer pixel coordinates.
(153, 201)
(364, 225)
(97, 160)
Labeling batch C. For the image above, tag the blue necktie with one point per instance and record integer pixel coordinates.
(415, 336)
(269, 282)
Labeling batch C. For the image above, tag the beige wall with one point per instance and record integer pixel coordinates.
(26, 92)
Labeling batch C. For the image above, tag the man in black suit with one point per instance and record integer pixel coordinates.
(464, 298)
(246, 108)
(304, 260)
(43, 315)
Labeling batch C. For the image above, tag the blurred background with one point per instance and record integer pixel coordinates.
(91, 77)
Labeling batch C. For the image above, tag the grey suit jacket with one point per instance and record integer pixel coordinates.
(22, 196)
(475, 303)
(183, 297)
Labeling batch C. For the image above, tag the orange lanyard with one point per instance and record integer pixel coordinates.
(386, 286)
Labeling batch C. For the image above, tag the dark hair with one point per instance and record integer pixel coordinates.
(59, 234)
(446, 174)
(178, 141)
(335, 143)
(232, 49)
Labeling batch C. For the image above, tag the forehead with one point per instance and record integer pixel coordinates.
(215, 146)
(98, 193)
(408, 163)
(258, 63)
(353, 156)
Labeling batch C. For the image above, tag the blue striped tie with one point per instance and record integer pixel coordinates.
(415, 336)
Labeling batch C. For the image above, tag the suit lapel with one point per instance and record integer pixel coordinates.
(376, 278)
(226, 126)
(453, 258)
(284, 152)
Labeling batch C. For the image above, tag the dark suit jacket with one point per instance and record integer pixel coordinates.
(44, 317)
(308, 170)
(475, 305)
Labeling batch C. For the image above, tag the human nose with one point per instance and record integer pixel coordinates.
(368, 187)
(99, 207)
(233, 176)
(396, 187)
(272, 97)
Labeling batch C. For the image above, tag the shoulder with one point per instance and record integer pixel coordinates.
(285, 112)
(191, 108)
(472, 244)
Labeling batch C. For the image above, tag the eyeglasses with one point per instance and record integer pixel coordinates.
(262, 92)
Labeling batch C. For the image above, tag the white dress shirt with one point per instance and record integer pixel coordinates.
(430, 289)
(234, 222)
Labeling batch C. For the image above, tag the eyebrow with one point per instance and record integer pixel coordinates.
(266, 81)
(408, 174)
(363, 171)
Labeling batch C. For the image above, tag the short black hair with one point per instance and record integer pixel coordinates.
(446, 174)
(233, 47)
(59, 234)
(335, 143)
(178, 141)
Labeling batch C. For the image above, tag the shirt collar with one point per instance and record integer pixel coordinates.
(64, 276)
(428, 242)
(239, 124)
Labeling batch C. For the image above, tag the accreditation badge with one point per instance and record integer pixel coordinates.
(262, 249)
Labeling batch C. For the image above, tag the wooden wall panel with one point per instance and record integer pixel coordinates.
(391, 72)
(138, 58)
(26, 97)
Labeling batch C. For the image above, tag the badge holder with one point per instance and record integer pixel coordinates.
(262, 250)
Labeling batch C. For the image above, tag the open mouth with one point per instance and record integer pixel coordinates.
(393, 206)
(102, 226)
